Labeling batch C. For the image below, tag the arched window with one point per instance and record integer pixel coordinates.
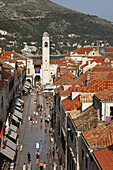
(46, 44)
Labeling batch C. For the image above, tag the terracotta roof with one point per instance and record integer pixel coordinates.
(84, 50)
(84, 65)
(102, 76)
(66, 78)
(6, 65)
(62, 92)
(110, 49)
(19, 70)
(71, 104)
(106, 95)
(105, 157)
(101, 136)
(87, 119)
(102, 69)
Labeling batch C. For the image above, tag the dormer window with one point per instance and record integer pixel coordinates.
(46, 44)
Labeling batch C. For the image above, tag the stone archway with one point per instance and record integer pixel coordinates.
(37, 80)
(29, 81)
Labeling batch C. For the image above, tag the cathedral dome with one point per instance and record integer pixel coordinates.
(45, 34)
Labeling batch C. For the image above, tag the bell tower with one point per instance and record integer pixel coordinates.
(45, 58)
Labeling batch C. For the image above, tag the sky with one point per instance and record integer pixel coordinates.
(101, 8)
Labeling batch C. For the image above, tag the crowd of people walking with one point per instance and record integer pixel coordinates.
(40, 115)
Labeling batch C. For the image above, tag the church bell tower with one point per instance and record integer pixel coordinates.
(45, 58)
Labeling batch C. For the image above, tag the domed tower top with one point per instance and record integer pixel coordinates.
(45, 34)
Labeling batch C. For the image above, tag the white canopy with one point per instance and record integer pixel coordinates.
(9, 153)
(26, 90)
(15, 118)
(18, 114)
(12, 127)
(18, 108)
(18, 103)
(12, 134)
(20, 100)
(9, 143)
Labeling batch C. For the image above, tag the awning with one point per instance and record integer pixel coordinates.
(15, 118)
(18, 108)
(27, 83)
(26, 86)
(20, 100)
(12, 127)
(25, 89)
(18, 103)
(9, 143)
(9, 153)
(12, 134)
(18, 114)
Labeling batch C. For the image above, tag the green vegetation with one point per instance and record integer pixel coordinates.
(29, 19)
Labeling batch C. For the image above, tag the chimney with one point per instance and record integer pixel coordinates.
(98, 114)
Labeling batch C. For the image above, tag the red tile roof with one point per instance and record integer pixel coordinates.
(66, 78)
(62, 92)
(84, 50)
(101, 136)
(106, 95)
(105, 157)
(70, 105)
(86, 120)
(110, 49)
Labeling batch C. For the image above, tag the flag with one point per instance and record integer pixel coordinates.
(1, 133)
(2, 141)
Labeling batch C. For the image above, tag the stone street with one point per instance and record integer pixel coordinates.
(32, 132)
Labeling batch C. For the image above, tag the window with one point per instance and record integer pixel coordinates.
(28, 70)
(82, 154)
(46, 44)
(72, 136)
(75, 142)
(111, 111)
(28, 62)
(2, 104)
(86, 162)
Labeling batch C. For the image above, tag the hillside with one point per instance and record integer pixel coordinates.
(28, 19)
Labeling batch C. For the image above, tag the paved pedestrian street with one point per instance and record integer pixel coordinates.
(31, 132)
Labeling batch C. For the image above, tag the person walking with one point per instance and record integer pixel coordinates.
(29, 157)
(41, 143)
(29, 167)
(24, 166)
(37, 145)
(41, 165)
(38, 152)
(54, 165)
(53, 152)
(44, 166)
(37, 158)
